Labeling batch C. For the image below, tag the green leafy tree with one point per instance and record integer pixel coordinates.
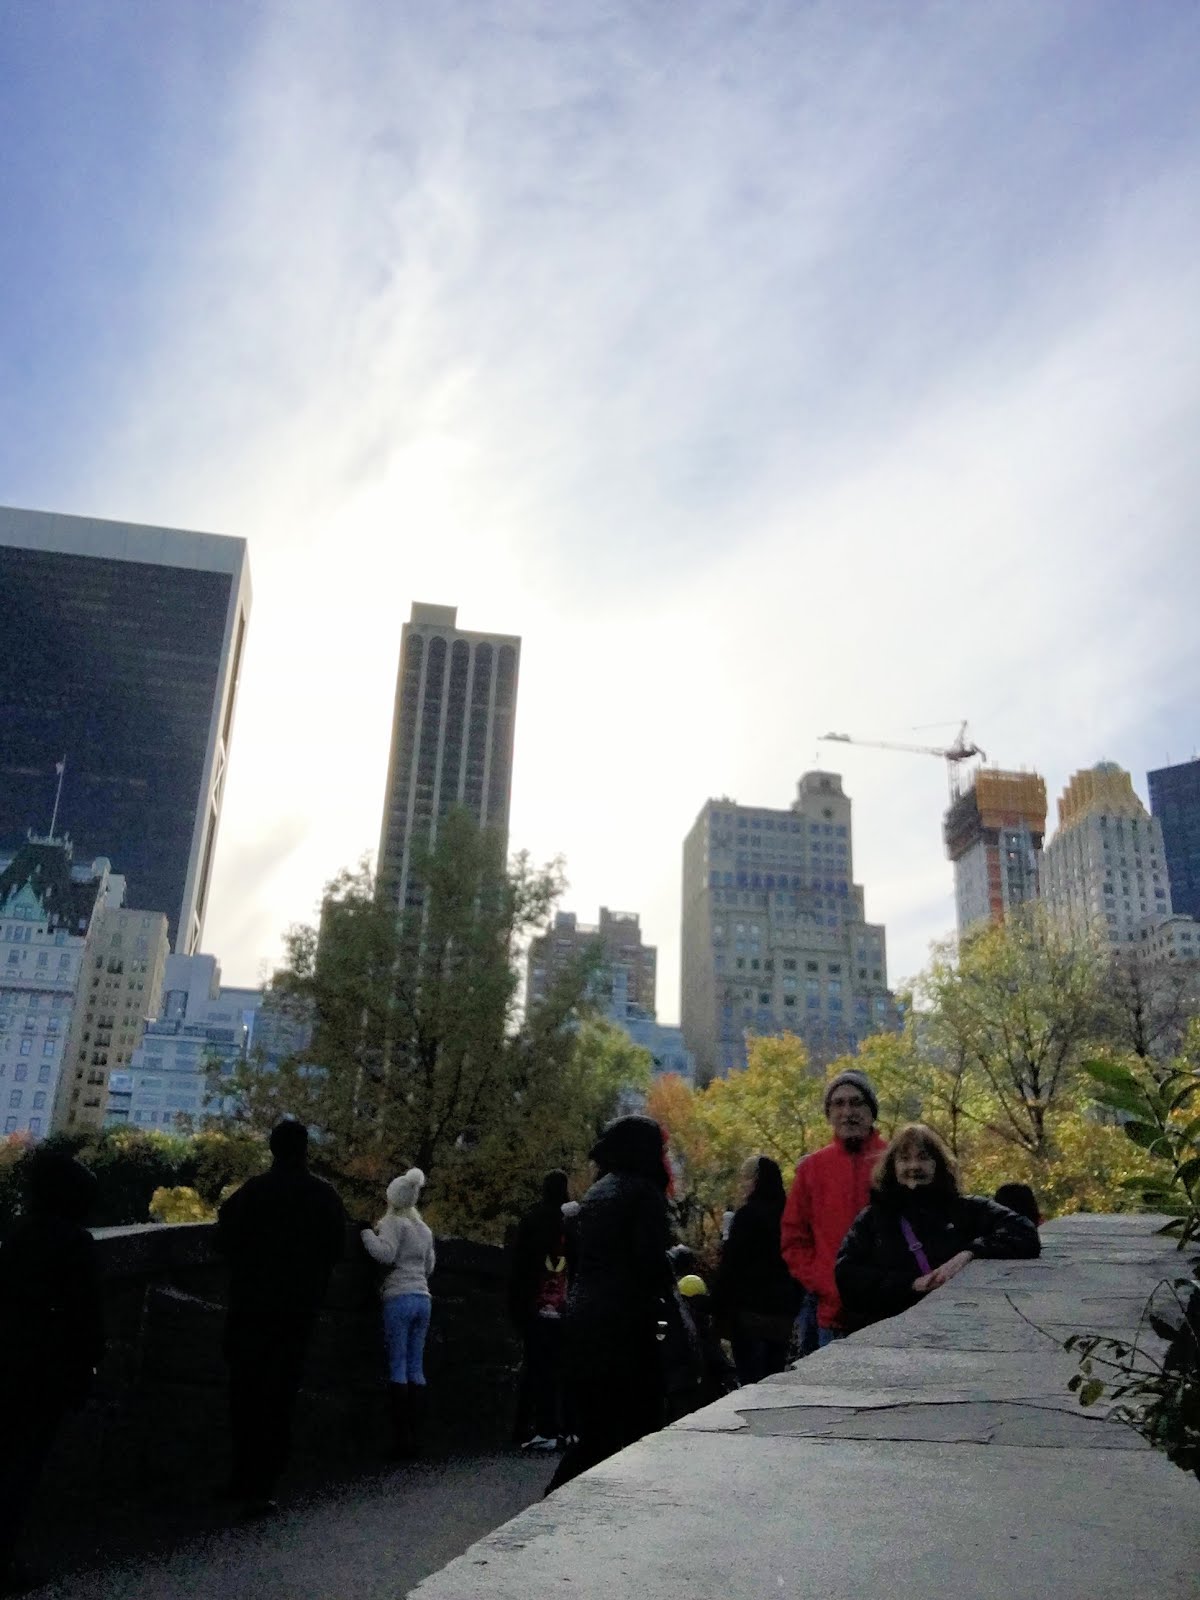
(413, 1049)
(1017, 1009)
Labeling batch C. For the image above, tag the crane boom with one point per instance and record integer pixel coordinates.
(887, 744)
(963, 749)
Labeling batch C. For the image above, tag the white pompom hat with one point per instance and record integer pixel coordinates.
(403, 1192)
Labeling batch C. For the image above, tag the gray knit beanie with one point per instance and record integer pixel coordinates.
(856, 1080)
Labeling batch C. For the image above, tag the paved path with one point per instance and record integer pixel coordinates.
(368, 1540)
(936, 1454)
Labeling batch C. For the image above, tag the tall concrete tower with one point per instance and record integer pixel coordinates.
(452, 737)
(994, 834)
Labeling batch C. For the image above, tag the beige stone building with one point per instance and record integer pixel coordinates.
(120, 987)
(775, 936)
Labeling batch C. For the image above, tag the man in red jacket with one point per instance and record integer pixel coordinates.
(830, 1188)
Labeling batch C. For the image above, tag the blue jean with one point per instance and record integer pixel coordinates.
(405, 1324)
(828, 1336)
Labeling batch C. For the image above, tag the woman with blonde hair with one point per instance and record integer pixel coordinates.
(401, 1243)
(919, 1231)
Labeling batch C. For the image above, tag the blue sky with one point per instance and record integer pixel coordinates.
(769, 367)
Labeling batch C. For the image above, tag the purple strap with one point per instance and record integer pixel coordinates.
(914, 1244)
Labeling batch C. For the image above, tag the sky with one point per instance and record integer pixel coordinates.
(770, 368)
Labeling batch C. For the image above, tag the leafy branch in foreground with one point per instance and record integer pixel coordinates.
(1157, 1398)
(1155, 1105)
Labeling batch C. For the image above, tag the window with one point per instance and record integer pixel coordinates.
(44, 1074)
(14, 1099)
(39, 1100)
(49, 1047)
(26, 1046)
(35, 1124)
(10, 1125)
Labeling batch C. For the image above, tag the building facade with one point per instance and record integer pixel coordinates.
(1175, 803)
(200, 1026)
(1104, 871)
(452, 738)
(1174, 940)
(668, 1049)
(618, 935)
(53, 917)
(119, 991)
(994, 834)
(123, 646)
(775, 936)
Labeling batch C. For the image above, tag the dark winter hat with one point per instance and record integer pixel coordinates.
(856, 1080)
(556, 1190)
(632, 1144)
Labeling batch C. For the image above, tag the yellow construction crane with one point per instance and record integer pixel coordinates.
(963, 749)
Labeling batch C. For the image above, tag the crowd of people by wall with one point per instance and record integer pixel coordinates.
(622, 1329)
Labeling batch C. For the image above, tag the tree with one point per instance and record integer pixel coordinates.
(1017, 1009)
(412, 1050)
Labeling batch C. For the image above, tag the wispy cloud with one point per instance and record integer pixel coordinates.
(770, 368)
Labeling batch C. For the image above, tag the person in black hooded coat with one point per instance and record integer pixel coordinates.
(619, 1288)
(919, 1231)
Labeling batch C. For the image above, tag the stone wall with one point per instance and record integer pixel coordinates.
(152, 1445)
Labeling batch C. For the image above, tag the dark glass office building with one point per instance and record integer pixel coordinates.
(452, 737)
(122, 647)
(1175, 801)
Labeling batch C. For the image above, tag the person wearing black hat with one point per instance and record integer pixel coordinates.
(829, 1190)
(282, 1232)
(616, 1302)
(51, 1335)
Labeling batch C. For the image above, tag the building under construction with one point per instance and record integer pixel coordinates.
(994, 835)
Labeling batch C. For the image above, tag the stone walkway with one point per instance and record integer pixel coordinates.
(372, 1540)
(939, 1453)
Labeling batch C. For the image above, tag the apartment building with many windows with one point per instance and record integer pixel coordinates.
(64, 1015)
(775, 934)
(1104, 870)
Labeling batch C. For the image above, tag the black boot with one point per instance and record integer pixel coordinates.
(418, 1412)
(401, 1415)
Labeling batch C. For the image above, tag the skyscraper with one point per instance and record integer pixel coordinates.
(994, 835)
(1104, 869)
(452, 738)
(775, 936)
(1175, 801)
(123, 646)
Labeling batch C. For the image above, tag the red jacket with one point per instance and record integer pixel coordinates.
(830, 1188)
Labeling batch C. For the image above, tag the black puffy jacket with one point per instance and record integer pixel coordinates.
(875, 1267)
(621, 1272)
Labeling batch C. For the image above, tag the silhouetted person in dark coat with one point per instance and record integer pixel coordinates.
(282, 1232)
(51, 1335)
(537, 1292)
(617, 1298)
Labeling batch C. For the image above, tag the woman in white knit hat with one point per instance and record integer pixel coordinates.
(402, 1243)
